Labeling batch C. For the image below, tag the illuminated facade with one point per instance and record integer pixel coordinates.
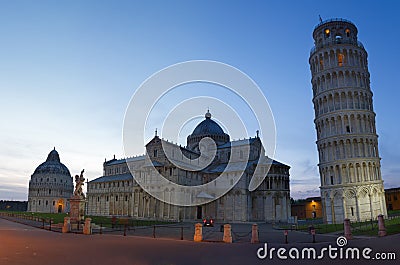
(392, 199)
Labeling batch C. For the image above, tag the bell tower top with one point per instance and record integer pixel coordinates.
(335, 31)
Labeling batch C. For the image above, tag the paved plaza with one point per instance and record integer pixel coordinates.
(21, 244)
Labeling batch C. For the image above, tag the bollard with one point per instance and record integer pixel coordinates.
(154, 231)
(313, 235)
(198, 232)
(50, 224)
(381, 226)
(286, 236)
(101, 228)
(347, 229)
(67, 225)
(254, 234)
(181, 232)
(87, 229)
(227, 234)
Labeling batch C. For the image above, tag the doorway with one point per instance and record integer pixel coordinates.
(59, 208)
(199, 212)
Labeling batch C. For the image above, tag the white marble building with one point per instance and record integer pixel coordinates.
(349, 162)
(117, 193)
(50, 186)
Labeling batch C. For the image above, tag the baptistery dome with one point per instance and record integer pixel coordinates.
(52, 165)
(207, 128)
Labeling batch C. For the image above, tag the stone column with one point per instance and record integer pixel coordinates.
(347, 229)
(198, 232)
(371, 208)
(67, 225)
(381, 226)
(87, 228)
(227, 233)
(254, 234)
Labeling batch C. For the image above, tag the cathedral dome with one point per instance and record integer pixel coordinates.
(52, 165)
(207, 128)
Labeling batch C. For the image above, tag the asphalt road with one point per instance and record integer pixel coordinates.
(20, 244)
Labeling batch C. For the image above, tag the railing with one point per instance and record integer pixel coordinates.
(31, 220)
(334, 20)
(335, 42)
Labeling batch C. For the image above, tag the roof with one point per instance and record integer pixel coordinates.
(120, 177)
(317, 199)
(52, 165)
(393, 190)
(124, 160)
(238, 143)
(208, 127)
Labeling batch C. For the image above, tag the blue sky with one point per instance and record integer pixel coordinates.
(69, 68)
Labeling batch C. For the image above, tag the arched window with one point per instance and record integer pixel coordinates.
(327, 33)
(347, 32)
(340, 58)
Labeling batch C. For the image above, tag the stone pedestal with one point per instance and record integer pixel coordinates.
(381, 226)
(254, 234)
(227, 234)
(67, 225)
(77, 211)
(198, 232)
(347, 229)
(87, 228)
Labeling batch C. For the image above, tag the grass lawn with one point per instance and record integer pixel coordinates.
(103, 220)
(392, 227)
(367, 228)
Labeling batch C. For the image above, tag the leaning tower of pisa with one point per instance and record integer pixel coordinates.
(349, 162)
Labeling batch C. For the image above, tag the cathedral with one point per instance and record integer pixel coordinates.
(118, 193)
(50, 186)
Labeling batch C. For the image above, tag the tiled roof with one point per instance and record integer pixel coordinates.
(119, 177)
(124, 160)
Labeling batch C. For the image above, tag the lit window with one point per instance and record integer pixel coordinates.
(327, 33)
(321, 64)
(340, 59)
(347, 32)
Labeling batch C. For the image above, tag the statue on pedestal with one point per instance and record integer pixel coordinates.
(77, 201)
(80, 181)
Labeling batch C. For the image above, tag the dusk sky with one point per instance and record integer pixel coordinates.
(68, 70)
